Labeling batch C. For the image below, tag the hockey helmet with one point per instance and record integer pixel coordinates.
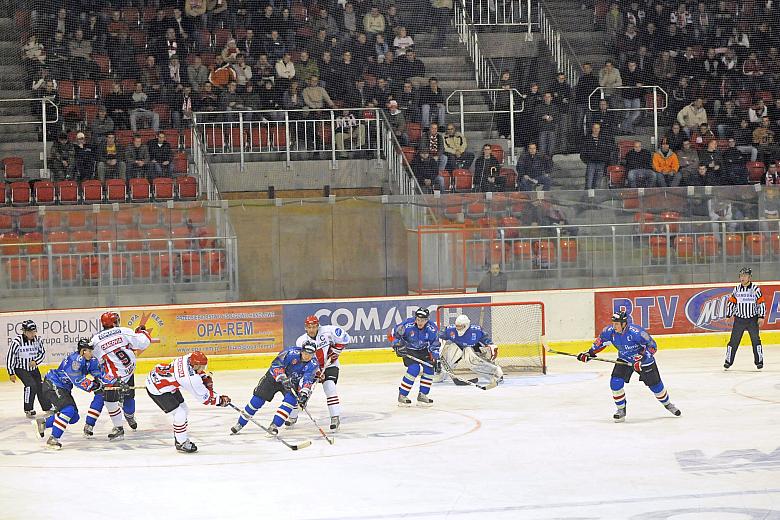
(746, 270)
(109, 319)
(28, 325)
(198, 358)
(84, 343)
(620, 317)
(462, 323)
(309, 346)
(422, 312)
(311, 320)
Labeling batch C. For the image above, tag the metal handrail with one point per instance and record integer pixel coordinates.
(654, 89)
(503, 20)
(43, 121)
(484, 69)
(559, 46)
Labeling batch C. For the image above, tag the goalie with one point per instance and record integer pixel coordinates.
(468, 346)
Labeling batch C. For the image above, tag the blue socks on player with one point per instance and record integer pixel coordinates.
(426, 379)
(95, 408)
(412, 371)
(283, 412)
(618, 393)
(250, 409)
(660, 393)
(60, 421)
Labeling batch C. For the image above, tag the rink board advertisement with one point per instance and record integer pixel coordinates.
(680, 310)
(367, 322)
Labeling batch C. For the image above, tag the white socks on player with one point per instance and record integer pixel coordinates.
(334, 407)
(115, 412)
(179, 416)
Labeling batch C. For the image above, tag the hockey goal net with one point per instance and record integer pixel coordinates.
(515, 327)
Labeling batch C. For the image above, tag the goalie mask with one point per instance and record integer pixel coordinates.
(462, 323)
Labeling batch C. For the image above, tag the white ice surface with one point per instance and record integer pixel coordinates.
(535, 447)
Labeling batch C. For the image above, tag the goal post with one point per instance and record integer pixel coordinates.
(515, 327)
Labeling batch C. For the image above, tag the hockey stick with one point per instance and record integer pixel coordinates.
(448, 371)
(294, 447)
(123, 388)
(330, 440)
(613, 361)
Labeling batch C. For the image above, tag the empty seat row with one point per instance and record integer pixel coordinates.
(752, 245)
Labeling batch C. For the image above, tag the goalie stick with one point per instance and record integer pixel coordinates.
(292, 446)
(447, 369)
(613, 361)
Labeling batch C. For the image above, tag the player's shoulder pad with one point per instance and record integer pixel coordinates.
(431, 326)
(475, 327)
(609, 329)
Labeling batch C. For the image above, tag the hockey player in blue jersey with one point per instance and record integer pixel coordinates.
(414, 340)
(636, 351)
(469, 346)
(292, 374)
(80, 369)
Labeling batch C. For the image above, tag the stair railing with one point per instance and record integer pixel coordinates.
(561, 50)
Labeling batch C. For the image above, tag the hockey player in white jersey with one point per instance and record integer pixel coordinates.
(330, 341)
(116, 349)
(164, 383)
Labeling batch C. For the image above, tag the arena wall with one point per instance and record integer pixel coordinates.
(247, 334)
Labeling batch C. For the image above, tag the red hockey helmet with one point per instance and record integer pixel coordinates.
(198, 358)
(311, 320)
(109, 319)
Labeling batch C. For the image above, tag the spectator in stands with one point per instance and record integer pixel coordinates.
(563, 96)
(222, 74)
(380, 47)
(306, 67)
(264, 98)
(665, 69)
(607, 120)
(728, 120)
(689, 65)
(172, 77)
(667, 166)
(275, 48)
(586, 84)
(772, 176)
(250, 47)
(137, 158)
(752, 73)
(705, 135)
(724, 211)
(772, 64)
(493, 281)
(596, 154)
(169, 47)
(150, 78)
(487, 172)
(243, 72)
(84, 159)
(632, 97)
(160, 156)
(80, 56)
(691, 116)
(39, 83)
(628, 44)
(264, 70)
(359, 96)
(230, 52)
(195, 8)
(197, 74)
(502, 106)
(140, 109)
(392, 22)
(374, 22)
(639, 168)
(533, 170)
(156, 29)
(432, 98)
(117, 104)
(216, 13)
(207, 101)
(547, 118)
(408, 102)
(58, 57)
(713, 160)
(433, 141)
(711, 65)
(361, 50)
(675, 137)
(735, 164)
(397, 122)
(409, 66)
(614, 24)
(315, 97)
(402, 41)
(230, 100)
(774, 114)
(346, 73)
(744, 139)
(770, 208)
(34, 55)
(426, 171)
(348, 130)
(62, 158)
(348, 22)
(293, 98)
(382, 92)
(440, 18)
(689, 161)
(325, 21)
(764, 141)
(109, 155)
(456, 149)
(182, 105)
(757, 111)
(609, 78)
(183, 28)
(101, 126)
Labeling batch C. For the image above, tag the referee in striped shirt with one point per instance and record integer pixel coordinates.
(24, 355)
(748, 307)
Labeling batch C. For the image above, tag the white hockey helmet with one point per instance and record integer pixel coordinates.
(462, 323)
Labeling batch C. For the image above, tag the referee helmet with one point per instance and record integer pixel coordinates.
(28, 325)
(746, 270)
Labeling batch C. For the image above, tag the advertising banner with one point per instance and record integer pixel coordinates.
(366, 321)
(59, 331)
(680, 311)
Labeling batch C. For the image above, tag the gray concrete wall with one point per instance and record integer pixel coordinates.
(509, 45)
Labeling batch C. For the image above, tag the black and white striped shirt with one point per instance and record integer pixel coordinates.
(747, 302)
(22, 351)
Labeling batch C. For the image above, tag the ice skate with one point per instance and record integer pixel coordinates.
(673, 409)
(53, 444)
(273, 431)
(620, 415)
(726, 365)
(131, 422)
(117, 434)
(30, 414)
(759, 366)
(290, 422)
(88, 430)
(404, 400)
(424, 400)
(186, 447)
(235, 428)
(335, 422)
(40, 426)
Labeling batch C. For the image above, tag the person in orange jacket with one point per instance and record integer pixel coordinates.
(665, 162)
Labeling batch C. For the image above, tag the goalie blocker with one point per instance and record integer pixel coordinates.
(466, 345)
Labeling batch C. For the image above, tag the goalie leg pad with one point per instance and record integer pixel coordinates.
(481, 366)
(451, 354)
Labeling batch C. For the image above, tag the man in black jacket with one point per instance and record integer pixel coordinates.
(586, 84)
(606, 119)
(160, 156)
(426, 169)
(632, 97)
(596, 153)
(533, 170)
(85, 159)
(487, 172)
(639, 165)
(734, 164)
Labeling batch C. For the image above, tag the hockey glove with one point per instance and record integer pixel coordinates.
(638, 363)
(303, 398)
(97, 385)
(223, 400)
(286, 383)
(207, 381)
(585, 356)
(435, 355)
(400, 349)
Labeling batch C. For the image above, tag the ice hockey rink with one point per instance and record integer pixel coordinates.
(535, 447)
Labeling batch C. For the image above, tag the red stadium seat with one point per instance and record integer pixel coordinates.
(140, 190)
(685, 246)
(77, 219)
(463, 179)
(182, 237)
(116, 190)
(756, 171)
(162, 188)
(33, 243)
(67, 268)
(142, 268)
(92, 192)
(68, 192)
(84, 241)
(658, 246)
(7, 223)
(569, 250)
(28, 221)
(190, 265)
(13, 168)
(9, 244)
(187, 187)
(124, 218)
(45, 193)
(39, 270)
(733, 245)
(131, 240)
(18, 271)
(90, 268)
(103, 219)
(707, 246)
(120, 269)
(174, 217)
(58, 241)
(157, 239)
(87, 90)
(180, 165)
(106, 240)
(20, 193)
(214, 263)
(414, 131)
(148, 216)
(755, 245)
(197, 216)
